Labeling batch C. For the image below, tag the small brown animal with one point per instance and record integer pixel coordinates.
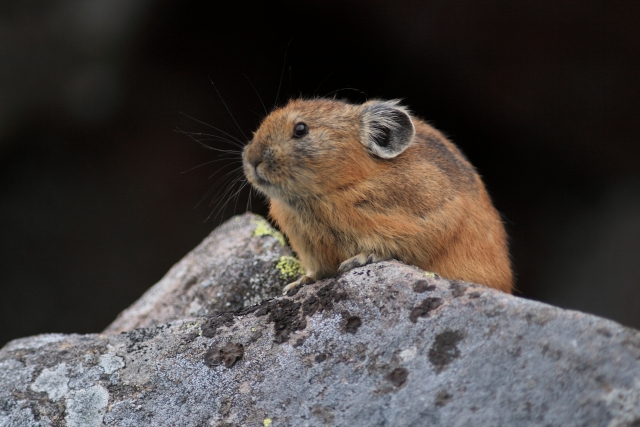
(354, 184)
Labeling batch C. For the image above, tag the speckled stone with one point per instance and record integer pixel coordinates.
(381, 345)
(234, 267)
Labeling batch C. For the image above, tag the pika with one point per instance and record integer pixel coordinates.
(351, 184)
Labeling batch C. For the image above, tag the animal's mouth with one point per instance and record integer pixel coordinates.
(262, 178)
(258, 178)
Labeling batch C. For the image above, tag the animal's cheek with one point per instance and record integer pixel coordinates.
(272, 165)
(304, 150)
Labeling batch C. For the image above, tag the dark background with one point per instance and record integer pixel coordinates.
(543, 96)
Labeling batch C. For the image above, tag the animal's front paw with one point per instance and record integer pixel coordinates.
(301, 281)
(358, 261)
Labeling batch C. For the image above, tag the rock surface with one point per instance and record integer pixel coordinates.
(241, 263)
(381, 345)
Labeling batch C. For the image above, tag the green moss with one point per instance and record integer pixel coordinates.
(289, 267)
(263, 228)
(429, 274)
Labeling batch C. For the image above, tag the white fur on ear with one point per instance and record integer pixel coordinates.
(387, 129)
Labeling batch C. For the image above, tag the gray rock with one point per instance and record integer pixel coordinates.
(382, 345)
(236, 266)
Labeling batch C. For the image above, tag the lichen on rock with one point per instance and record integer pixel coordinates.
(263, 228)
(289, 267)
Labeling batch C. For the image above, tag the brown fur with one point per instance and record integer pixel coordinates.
(334, 200)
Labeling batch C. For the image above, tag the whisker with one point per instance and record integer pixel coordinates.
(206, 163)
(231, 153)
(202, 142)
(220, 197)
(228, 110)
(284, 63)
(323, 80)
(290, 86)
(224, 152)
(259, 97)
(345, 88)
(237, 196)
(213, 127)
(224, 190)
(248, 207)
(229, 188)
(199, 141)
(217, 137)
(231, 197)
(228, 173)
(203, 198)
(216, 185)
(224, 195)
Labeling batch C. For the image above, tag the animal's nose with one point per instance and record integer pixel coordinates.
(253, 155)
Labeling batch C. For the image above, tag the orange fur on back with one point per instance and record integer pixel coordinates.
(334, 198)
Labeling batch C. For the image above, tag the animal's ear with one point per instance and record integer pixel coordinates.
(387, 129)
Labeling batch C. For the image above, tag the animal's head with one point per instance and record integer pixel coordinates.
(313, 147)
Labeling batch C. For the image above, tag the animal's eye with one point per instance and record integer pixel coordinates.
(300, 130)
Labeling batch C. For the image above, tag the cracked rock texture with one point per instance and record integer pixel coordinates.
(381, 345)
